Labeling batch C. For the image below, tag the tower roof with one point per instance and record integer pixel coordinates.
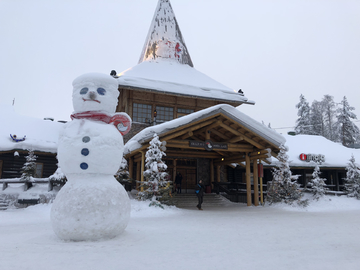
(164, 39)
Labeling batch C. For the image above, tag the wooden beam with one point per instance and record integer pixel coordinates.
(191, 154)
(237, 139)
(217, 133)
(142, 169)
(237, 133)
(131, 167)
(266, 151)
(248, 181)
(256, 183)
(138, 174)
(212, 173)
(191, 128)
(189, 134)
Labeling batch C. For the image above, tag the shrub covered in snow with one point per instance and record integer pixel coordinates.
(352, 180)
(29, 168)
(156, 186)
(284, 187)
(317, 184)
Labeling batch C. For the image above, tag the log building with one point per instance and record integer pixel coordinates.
(193, 113)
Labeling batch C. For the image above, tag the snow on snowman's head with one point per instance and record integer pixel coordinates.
(95, 92)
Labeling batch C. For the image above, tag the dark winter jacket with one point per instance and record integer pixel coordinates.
(201, 189)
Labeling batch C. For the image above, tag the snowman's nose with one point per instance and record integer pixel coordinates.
(92, 95)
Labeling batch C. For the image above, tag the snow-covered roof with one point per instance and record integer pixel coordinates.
(167, 76)
(335, 154)
(268, 134)
(165, 64)
(41, 135)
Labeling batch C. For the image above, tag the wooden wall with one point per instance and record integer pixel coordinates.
(128, 96)
(11, 165)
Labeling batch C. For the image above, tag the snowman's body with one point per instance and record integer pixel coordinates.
(92, 205)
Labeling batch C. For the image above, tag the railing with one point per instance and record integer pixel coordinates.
(29, 184)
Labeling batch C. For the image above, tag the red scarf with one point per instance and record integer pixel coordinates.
(122, 122)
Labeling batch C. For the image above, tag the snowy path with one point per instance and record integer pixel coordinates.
(231, 237)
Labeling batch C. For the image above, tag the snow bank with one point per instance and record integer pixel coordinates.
(327, 203)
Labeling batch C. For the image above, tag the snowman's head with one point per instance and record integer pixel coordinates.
(95, 92)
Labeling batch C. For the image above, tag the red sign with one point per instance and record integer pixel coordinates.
(303, 157)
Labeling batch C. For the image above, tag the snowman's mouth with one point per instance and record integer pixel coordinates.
(91, 100)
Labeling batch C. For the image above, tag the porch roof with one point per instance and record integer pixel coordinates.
(232, 132)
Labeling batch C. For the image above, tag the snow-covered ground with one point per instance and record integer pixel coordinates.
(323, 236)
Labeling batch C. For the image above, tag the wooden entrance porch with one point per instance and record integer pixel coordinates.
(220, 134)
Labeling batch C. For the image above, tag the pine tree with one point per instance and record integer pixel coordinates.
(284, 187)
(352, 180)
(317, 184)
(303, 123)
(156, 186)
(29, 168)
(317, 118)
(348, 131)
(329, 110)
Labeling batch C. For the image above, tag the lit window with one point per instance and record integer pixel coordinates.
(182, 112)
(164, 114)
(141, 113)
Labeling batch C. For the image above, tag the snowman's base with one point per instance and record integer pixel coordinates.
(90, 208)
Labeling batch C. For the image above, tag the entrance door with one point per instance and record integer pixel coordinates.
(189, 180)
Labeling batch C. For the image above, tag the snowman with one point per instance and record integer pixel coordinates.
(92, 205)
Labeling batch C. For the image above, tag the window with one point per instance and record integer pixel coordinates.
(39, 170)
(182, 112)
(164, 114)
(142, 113)
(1, 163)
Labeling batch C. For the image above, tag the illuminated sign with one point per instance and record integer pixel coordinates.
(312, 157)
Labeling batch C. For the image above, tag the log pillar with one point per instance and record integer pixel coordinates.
(212, 174)
(138, 174)
(142, 169)
(256, 183)
(131, 167)
(248, 180)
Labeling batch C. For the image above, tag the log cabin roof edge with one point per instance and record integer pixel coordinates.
(174, 78)
(146, 134)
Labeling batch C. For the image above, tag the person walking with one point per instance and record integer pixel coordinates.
(200, 188)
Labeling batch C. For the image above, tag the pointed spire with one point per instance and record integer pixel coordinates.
(164, 39)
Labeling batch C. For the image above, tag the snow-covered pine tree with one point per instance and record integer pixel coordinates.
(352, 180)
(317, 118)
(329, 111)
(303, 123)
(348, 132)
(123, 175)
(29, 169)
(317, 184)
(284, 187)
(156, 186)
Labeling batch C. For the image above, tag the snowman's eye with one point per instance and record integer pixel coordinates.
(84, 91)
(101, 91)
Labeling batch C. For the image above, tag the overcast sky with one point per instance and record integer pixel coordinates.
(274, 50)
